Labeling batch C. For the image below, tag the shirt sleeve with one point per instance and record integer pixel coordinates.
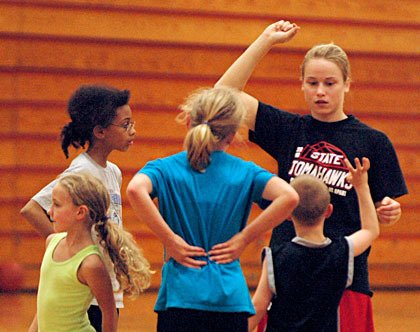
(385, 176)
(43, 197)
(153, 171)
(262, 177)
(274, 128)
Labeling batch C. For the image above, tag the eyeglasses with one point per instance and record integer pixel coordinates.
(127, 126)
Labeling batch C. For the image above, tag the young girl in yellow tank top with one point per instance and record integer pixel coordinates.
(73, 271)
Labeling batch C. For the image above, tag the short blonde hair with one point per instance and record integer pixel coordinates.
(314, 198)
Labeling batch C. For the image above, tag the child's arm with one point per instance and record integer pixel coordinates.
(261, 299)
(37, 217)
(358, 177)
(284, 199)
(34, 325)
(93, 273)
(240, 71)
(138, 193)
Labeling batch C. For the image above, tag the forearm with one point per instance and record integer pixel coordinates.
(146, 210)
(279, 210)
(260, 311)
(261, 299)
(368, 216)
(241, 70)
(37, 217)
(109, 321)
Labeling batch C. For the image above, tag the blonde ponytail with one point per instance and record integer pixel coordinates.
(213, 114)
(131, 268)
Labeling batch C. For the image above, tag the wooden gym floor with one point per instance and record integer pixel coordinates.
(395, 311)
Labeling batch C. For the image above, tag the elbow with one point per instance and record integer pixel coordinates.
(377, 232)
(293, 198)
(25, 211)
(260, 307)
(130, 191)
(218, 84)
(132, 188)
(134, 192)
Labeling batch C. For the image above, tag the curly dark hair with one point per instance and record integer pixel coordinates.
(89, 106)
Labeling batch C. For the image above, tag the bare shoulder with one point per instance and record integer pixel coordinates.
(92, 267)
(48, 239)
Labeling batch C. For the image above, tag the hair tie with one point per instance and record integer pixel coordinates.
(206, 123)
(102, 221)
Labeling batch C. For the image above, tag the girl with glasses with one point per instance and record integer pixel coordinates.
(100, 121)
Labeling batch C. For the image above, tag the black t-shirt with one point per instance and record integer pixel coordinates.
(309, 284)
(304, 145)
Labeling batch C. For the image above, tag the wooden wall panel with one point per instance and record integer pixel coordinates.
(144, 58)
(155, 121)
(161, 51)
(152, 89)
(403, 12)
(151, 25)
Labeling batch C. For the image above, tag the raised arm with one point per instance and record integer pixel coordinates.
(37, 217)
(358, 177)
(241, 70)
(138, 193)
(284, 199)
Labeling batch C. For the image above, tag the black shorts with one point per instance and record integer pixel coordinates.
(95, 317)
(190, 320)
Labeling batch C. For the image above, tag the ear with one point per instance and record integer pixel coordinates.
(99, 132)
(188, 120)
(329, 211)
(83, 212)
(347, 86)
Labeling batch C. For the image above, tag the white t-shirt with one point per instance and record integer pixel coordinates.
(111, 177)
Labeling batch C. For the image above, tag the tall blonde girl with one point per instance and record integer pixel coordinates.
(318, 143)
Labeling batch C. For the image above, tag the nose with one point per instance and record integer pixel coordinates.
(132, 128)
(320, 90)
(50, 212)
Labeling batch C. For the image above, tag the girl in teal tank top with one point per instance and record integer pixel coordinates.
(73, 270)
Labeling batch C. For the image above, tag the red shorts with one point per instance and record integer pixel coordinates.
(356, 312)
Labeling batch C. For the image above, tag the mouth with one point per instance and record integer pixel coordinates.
(321, 102)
